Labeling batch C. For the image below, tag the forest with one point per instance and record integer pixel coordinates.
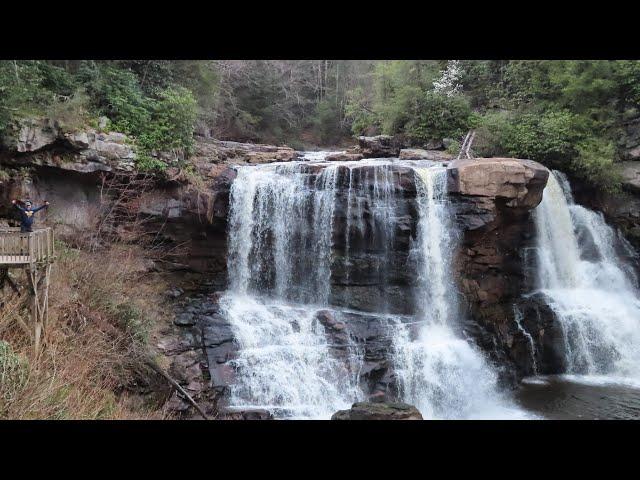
(569, 114)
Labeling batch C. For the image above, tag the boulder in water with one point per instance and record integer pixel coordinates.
(378, 411)
(343, 157)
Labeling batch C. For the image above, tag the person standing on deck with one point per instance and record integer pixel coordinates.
(26, 214)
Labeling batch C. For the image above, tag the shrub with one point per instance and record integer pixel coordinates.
(549, 137)
(171, 123)
(357, 112)
(439, 116)
(116, 94)
(490, 134)
(71, 114)
(595, 163)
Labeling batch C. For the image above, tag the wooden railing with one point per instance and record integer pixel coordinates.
(17, 248)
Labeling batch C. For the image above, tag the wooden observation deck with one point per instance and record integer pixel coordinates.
(18, 249)
(34, 253)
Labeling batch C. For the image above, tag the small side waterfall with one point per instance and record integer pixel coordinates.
(517, 316)
(592, 294)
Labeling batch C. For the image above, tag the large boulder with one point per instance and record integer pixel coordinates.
(379, 411)
(519, 182)
(343, 157)
(32, 134)
(420, 154)
(379, 146)
(492, 200)
(630, 173)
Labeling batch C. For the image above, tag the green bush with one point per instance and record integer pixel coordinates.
(132, 321)
(162, 123)
(595, 163)
(491, 130)
(549, 137)
(357, 113)
(72, 113)
(171, 123)
(439, 116)
(117, 94)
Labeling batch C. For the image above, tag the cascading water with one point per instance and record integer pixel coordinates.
(587, 286)
(439, 372)
(281, 254)
(279, 267)
(274, 214)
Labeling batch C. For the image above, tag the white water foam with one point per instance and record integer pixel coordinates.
(445, 376)
(588, 288)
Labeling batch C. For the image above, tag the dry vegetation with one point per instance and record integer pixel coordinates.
(95, 361)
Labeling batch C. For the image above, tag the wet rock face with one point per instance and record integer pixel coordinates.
(371, 336)
(490, 268)
(371, 270)
(538, 320)
(343, 157)
(493, 199)
(379, 411)
(199, 346)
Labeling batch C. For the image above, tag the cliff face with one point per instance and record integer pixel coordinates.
(85, 174)
(491, 202)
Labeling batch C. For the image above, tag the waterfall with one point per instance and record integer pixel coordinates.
(279, 264)
(274, 213)
(587, 286)
(281, 255)
(439, 372)
(285, 365)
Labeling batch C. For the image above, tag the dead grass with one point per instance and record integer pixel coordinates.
(103, 311)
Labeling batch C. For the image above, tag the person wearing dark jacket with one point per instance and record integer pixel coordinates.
(26, 214)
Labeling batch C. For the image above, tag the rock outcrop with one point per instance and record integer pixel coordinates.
(420, 154)
(344, 157)
(379, 146)
(372, 270)
(379, 411)
(519, 183)
(493, 200)
(41, 142)
(218, 151)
